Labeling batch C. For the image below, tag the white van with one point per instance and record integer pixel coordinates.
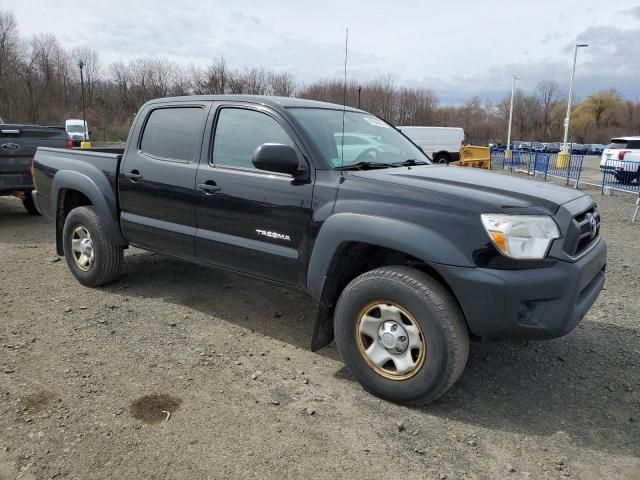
(77, 131)
(442, 144)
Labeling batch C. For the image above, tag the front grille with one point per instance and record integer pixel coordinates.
(581, 235)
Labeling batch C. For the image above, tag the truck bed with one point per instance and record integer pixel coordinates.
(18, 144)
(99, 165)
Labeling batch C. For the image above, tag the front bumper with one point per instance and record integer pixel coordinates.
(532, 304)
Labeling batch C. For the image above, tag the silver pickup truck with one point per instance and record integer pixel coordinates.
(18, 145)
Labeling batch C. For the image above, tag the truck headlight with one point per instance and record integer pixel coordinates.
(521, 236)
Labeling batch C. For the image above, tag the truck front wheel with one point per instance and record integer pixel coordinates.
(402, 334)
(92, 258)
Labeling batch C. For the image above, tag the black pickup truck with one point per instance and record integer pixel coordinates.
(407, 261)
(18, 144)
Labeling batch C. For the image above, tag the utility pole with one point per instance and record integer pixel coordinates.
(84, 117)
(513, 89)
(359, 91)
(573, 74)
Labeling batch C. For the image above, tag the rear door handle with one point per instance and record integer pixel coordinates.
(209, 187)
(134, 175)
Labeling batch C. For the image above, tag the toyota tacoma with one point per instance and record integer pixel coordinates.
(406, 261)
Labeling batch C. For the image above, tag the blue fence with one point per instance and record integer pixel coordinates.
(545, 164)
(518, 160)
(621, 175)
(572, 171)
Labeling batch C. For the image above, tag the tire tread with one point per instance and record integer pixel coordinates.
(112, 254)
(452, 319)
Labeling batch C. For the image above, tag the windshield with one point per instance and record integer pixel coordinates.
(366, 138)
(75, 128)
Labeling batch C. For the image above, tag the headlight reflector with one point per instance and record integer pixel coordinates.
(521, 236)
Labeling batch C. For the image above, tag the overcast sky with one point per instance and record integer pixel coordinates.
(457, 48)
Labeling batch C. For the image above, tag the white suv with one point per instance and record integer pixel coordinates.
(622, 159)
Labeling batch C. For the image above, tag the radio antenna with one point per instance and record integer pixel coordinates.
(344, 97)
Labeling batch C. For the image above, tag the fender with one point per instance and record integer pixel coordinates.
(420, 242)
(98, 191)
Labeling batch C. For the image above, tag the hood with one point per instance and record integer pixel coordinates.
(506, 192)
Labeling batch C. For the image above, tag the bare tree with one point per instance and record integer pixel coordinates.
(91, 70)
(39, 82)
(281, 84)
(9, 56)
(548, 95)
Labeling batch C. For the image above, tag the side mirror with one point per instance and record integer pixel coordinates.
(276, 157)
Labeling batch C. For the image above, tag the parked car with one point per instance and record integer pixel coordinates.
(350, 146)
(442, 144)
(595, 149)
(578, 149)
(622, 159)
(405, 260)
(522, 146)
(18, 145)
(553, 147)
(77, 130)
(537, 147)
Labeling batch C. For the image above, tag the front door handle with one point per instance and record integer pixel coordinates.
(209, 187)
(134, 175)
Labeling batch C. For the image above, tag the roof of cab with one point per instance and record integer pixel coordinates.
(274, 102)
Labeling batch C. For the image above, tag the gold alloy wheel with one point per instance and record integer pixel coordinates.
(82, 248)
(390, 340)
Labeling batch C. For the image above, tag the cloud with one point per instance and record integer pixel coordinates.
(634, 12)
(459, 50)
(610, 61)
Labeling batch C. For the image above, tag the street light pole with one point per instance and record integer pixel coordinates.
(513, 88)
(84, 117)
(573, 73)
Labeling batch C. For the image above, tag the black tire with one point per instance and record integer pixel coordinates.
(108, 257)
(29, 204)
(440, 321)
(442, 158)
(626, 178)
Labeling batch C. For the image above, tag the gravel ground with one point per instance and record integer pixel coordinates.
(87, 378)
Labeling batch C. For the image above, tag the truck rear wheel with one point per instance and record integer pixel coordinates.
(402, 334)
(92, 258)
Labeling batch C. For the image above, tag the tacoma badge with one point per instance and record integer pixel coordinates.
(277, 236)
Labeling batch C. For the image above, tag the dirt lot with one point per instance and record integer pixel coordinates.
(85, 376)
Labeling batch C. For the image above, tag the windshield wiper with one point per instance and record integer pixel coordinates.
(367, 165)
(411, 162)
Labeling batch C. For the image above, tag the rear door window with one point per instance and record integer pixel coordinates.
(173, 133)
(634, 144)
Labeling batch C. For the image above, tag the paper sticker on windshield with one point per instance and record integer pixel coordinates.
(376, 122)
